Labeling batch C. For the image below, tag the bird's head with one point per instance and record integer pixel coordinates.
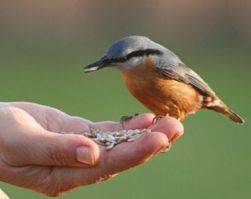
(131, 51)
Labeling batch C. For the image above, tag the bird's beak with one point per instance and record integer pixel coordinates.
(102, 63)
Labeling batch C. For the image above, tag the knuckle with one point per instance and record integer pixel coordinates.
(64, 153)
(58, 155)
(95, 153)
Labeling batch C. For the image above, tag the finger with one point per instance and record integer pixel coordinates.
(53, 149)
(76, 125)
(127, 155)
(120, 158)
(43, 114)
(59, 121)
(169, 126)
(138, 122)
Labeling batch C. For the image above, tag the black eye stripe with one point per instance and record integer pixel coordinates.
(137, 53)
(145, 52)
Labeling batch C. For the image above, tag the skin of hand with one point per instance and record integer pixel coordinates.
(41, 148)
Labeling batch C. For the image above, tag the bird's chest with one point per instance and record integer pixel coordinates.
(161, 95)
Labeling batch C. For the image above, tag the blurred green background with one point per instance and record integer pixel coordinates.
(45, 44)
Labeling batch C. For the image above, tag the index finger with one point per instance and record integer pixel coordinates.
(137, 122)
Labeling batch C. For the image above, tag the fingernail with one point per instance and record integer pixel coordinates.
(84, 155)
(165, 149)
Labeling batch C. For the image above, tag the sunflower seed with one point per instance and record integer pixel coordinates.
(109, 139)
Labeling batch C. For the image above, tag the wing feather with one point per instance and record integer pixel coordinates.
(184, 74)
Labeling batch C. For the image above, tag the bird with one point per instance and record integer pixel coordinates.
(158, 78)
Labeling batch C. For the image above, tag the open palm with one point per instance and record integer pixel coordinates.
(42, 148)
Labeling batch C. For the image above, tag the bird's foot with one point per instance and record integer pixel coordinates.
(157, 118)
(126, 118)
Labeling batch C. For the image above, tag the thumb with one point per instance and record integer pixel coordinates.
(53, 149)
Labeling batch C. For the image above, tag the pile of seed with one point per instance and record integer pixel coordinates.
(110, 139)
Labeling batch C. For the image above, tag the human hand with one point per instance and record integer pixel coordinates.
(41, 147)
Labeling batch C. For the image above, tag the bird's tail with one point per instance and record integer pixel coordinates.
(220, 107)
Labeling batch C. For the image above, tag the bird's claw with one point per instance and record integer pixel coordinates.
(126, 118)
(157, 118)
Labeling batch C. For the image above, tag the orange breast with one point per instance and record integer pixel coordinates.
(161, 95)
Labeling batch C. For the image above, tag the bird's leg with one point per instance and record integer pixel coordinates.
(126, 118)
(156, 118)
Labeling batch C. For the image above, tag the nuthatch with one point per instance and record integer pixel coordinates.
(160, 80)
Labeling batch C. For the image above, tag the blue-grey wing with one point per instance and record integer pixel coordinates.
(184, 74)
